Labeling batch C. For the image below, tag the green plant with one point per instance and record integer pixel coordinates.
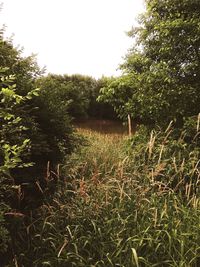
(14, 147)
(122, 203)
(161, 70)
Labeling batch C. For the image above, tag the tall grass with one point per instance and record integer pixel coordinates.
(121, 203)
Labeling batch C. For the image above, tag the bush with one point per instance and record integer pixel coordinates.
(13, 147)
(24, 153)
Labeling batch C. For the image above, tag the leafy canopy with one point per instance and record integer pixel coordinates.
(163, 67)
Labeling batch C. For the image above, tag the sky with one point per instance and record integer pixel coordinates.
(73, 36)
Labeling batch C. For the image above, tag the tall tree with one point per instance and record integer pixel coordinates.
(164, 64)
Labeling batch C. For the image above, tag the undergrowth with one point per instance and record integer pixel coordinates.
(120, 202)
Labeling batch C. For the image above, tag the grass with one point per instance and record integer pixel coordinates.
(103, 126)
(121, 202)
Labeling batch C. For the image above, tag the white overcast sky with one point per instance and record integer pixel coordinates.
(73, 36)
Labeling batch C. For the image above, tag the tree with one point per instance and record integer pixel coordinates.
(42, 122)
(32, 132)
(118, 92)
(164, 64)
(75, 94)
(99, 109)
(71, 93)
(49, 130)
(25, 69)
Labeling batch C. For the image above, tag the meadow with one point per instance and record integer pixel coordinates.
(121, 202)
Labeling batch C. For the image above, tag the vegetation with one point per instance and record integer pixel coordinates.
(77, 94)
(28, 141)
(161, 72)
(79, 198)
(121, 202)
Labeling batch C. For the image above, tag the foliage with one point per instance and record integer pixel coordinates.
(122, 204)
(48, 127)
(116, 201)
(25, 69)
(98, 109)
(31, 135)
(4, 235)
(76, 95)
(70, 92)
(13, 142)
(162, 69)
(14, 148)
(118, 92)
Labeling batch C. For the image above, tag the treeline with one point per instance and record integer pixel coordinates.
(79, 95)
